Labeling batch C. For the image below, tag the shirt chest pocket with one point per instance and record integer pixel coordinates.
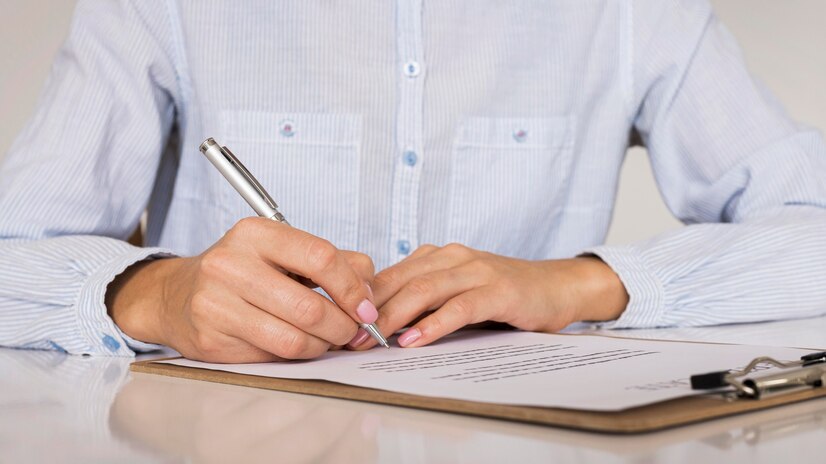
(508, 183)
(309, 163)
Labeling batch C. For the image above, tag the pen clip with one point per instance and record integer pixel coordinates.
(249, 177)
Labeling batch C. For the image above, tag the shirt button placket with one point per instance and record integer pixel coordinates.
(409, 131)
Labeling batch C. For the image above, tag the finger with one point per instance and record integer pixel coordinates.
(222, 348)
(421, 252)
(290, 301)
(467, 308)
(361, 263)
(271, 334)
(389, 281)
(425, 293)
(314, 258)
(200, 333)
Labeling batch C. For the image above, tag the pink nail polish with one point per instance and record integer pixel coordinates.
(360, 337)
(369, 291)
(409, 337)
(367, 312)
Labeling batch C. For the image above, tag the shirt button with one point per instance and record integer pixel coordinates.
(410, 158)
(110, 343)
(412, 69)
(286, 128)
(403, 246)
(520, 135)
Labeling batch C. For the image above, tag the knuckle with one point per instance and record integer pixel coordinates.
(247, 225)
(309, 311)
(456, 249)
(437, 323)
(292, 345)
(321, 255)
(425, 249)
(420, 286)
(206, 345)
(315, 350)
(385, 279)
(365, 263)
(453, 247)
(463, 310)
(201, 304)
(215, 263)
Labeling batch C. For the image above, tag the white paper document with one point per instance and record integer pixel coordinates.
(523, 368)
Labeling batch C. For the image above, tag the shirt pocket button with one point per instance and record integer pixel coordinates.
(520, 135)
(286, 128)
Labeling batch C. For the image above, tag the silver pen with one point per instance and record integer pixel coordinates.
(258, 198)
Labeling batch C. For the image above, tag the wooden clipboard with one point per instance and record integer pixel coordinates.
(642, 419)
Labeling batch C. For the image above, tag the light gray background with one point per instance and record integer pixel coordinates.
(783, 40)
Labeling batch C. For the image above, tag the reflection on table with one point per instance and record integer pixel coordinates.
(217, 423)
(59, 408)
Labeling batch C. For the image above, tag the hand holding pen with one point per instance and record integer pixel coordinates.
(257, 197)
(238, 301)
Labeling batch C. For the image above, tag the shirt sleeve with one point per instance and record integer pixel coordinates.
(730, 164)
(78, 178)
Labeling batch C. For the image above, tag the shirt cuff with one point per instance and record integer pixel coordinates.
(645, 290)
(100, 331)
(136, 345)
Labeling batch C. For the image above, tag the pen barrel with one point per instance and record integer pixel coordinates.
(234, 172)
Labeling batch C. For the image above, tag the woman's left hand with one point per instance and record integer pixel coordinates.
(466, 286)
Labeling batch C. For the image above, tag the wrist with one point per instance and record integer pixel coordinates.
(135, 299)
(602, 295)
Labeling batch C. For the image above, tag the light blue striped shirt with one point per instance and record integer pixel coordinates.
(385, 125)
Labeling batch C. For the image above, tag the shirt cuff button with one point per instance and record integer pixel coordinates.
(111, 343)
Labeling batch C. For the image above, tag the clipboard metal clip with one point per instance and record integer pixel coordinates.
(808, 372)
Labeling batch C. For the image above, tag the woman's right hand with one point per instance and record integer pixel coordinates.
(249, 297)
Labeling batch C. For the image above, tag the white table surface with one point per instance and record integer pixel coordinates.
(58, 408)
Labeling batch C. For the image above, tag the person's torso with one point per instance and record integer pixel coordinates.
(382, 126)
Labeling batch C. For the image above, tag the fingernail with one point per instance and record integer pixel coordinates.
(409, 337)
(367, 312)
(360, 337)
(369, 291)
